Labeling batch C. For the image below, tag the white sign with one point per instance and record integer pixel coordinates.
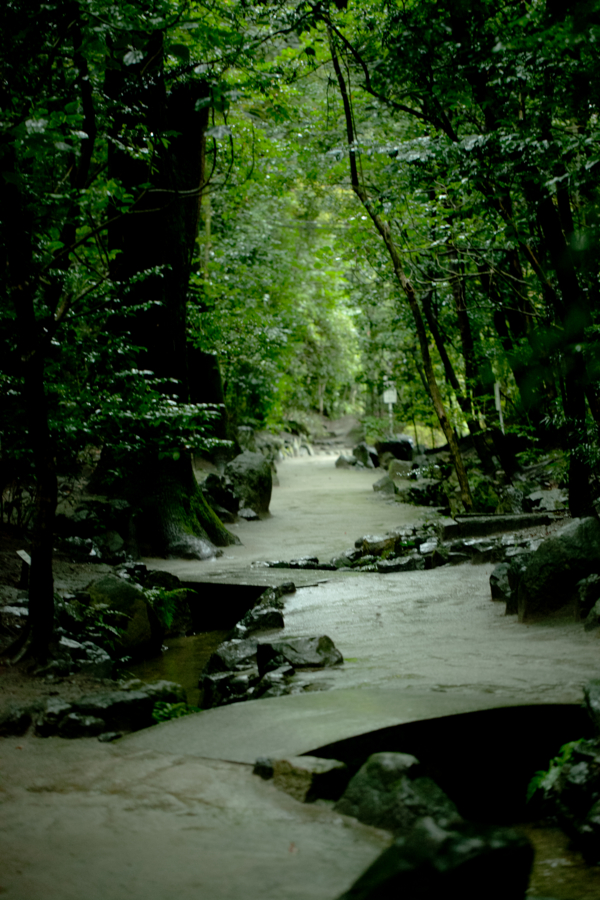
(390, 395)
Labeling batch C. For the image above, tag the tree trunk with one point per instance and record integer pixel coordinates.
(175, 519)
(34, 641)
(407, 287)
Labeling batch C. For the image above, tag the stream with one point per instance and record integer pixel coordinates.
(182, 661)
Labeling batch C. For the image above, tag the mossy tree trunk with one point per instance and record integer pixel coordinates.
(174, 518)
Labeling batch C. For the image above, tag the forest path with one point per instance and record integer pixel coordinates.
(316, 510)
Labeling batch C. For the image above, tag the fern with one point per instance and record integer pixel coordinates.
(545, 779)
(164, 712)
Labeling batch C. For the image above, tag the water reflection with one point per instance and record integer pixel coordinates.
(182, 661)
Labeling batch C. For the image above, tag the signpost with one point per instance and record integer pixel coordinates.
(390, 396)
(498, 404)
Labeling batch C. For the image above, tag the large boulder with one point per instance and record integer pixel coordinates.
(400, 446)
(252, 481)
(309, 778)
(432, 863)
(390, 791)
(142, 633)
(549, 582)
(232, 656)
(301, 653)
(366, 455)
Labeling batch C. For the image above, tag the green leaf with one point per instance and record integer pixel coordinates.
(181, 51)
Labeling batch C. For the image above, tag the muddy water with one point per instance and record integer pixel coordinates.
(182, 660)
(558, 870)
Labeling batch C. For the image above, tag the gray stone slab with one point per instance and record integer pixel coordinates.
(293, 725)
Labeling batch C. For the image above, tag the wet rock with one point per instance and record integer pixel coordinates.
(511, 500)
(457, 559)
(48, 719)
(480, 550)
(366, 455)
(263, 767)
(15, 720)
(251, 480)
(219, 493)
(272, 597)
(385, 485)
(556, 567)
(138, 572)
(499, 584)
(425, 492)
(232, 656)
(433, 862)
(591, 700)
(345, 462)
(404, 564)
(248, 514)
(304, 562)
(97, 662)
(401, 447)
(428, 547)
(546, 500)
(76, 725)
(309, 652)
(439, 557)
(107, 737)
(222, 688)
(275, 683)
(88, 657)
(341, 562)
(376, 544)
(399, 468)
(588, 591)
(516, 569)
(111, 544)
(258, 619)
(121, 710)
(390, 791)
(83, 549)
(143, 634)
(227, 517)
(592, 620)
(309, 778)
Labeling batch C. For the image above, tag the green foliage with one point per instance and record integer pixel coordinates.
(477, 134)
(164, 712)
(165, 603)
(544, 779)
(100, 624)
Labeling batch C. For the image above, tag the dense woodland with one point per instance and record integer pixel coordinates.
(217, 214)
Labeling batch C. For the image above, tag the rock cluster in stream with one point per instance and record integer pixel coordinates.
(247, 668)
(107, 715)
(435, 853)
(411, 550)
(557, 576)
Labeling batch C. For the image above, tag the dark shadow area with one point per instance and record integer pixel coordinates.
(483, 760)
(219, 607)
